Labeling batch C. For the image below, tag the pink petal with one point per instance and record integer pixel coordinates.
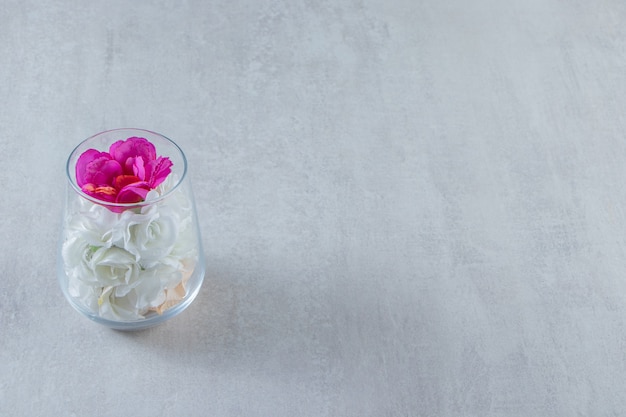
(100, 171)
(105, 171)
(122, 181)
(132, 147)
(133, 193)
(139, 170)
(105, 193)
(81, 165)
(158, 170)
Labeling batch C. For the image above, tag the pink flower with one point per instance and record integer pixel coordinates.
(125, 174)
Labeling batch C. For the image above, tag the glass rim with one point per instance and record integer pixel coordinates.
(94, 200)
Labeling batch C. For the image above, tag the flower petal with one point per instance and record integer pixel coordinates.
(85, 164)
(138, 167)
(103, 171)
(132, 147)
(104, 193)
(133, 193)
(122, 181)
(158, 170)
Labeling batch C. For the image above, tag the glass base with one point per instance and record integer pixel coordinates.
(151, 319)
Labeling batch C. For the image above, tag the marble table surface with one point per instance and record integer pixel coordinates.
(408, 207)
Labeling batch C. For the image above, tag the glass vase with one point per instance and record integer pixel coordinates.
(132, 265)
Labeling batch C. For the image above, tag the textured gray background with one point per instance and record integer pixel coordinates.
(409, 207)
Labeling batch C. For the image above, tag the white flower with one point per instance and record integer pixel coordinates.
(149, 235)
(114, 307)
(86, 294)
(114, 266)
(147, 293)
(153, 283)
(99, 265)
(94, 222)
(124, 265)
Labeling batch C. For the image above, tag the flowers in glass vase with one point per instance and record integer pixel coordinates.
(125, 174)
(128, 252)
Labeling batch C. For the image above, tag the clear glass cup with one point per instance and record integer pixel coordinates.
(130, 266)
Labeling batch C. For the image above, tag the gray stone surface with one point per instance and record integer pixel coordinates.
(409, 208)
